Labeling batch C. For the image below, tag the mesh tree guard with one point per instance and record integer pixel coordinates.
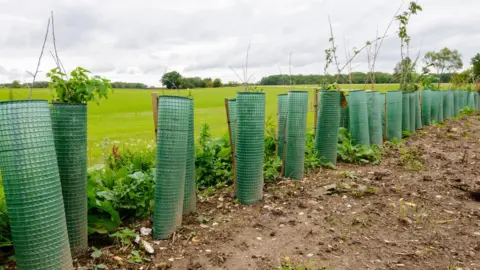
(394, 115)
(405, 112)
(418, 111)
(411, 97)
(375, 117)
(69, 123)
(190, 198)
(172, 140)
(296, 134)
(32, 186)
(328, 120)
(250, 146)
(358, 117)
(426, 107)
(282, 122)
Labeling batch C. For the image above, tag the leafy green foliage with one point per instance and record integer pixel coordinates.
(80, 87)
(5, 233)
(311, 158)
(137, 258)
(213, 160)
(351, 153)
(476, 66)
(172, 80)
(430, 82)
(124, 237)
(444, 60)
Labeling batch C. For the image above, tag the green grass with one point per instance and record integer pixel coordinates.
(128, 113)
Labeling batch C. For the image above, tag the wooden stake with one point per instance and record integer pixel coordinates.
(155, 112)
(232, 148)
(315, 111)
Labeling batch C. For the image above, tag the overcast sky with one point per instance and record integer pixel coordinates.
(134, 40)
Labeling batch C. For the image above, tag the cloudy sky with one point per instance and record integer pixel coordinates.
(135, 40)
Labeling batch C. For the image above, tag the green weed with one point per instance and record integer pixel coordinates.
(351, 153)
(411, 159)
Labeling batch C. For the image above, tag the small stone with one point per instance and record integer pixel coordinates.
(171, 259)
(309, 255)
(259, 238)
(148, 247)
(215, 224)
(145, 231)
(301, 213)
(195, 240)
(282, 225)
(272, 234)
(208, 250)
(137, 239)
(438, 197)
(118, 259)
(406, 220)
(204, 226)
(427, 178)
(220, 199)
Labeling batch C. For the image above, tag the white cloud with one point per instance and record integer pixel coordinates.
(135, 40)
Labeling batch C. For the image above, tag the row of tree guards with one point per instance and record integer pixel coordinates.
(43, 155)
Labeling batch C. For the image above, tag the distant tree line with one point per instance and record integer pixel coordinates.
(354, 77)
(129, 85)
(174, 80)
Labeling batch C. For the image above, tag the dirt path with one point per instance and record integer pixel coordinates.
(410, 212)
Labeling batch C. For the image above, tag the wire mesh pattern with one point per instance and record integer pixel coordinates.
(465, 98)
(358, 117)
(426, 107)
(456, 102)
(447, 109)
(232, 113)
(190, 198)
(477, 100)
(405, 112)
(328, 122)
(69, 123)
(452, 102)
(418, 111)
(471, 100)
(435, 109)
(394, 115)
(296, 134)
(382, 104)
(375, 117)
(440, 106)
(411, 98)
(172, 139)
(32, 186)
(282, 122)
(250, 146)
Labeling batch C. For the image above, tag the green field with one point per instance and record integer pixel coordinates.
(128, 113)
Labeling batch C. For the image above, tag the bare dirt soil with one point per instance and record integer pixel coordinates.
(413, 211)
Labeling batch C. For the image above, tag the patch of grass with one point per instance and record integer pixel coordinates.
(411, 159)
(295, 264)
(439, 124)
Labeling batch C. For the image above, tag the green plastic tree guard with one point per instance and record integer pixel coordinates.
(440, 106)
(382, 104)
(250, 146)
(375, 117)
(456, 102)
(418, 111)
(296, 134)
(190, 196)
(172, 144)
(446, 105)
(426, 107)
(452, 103)
(328, 119)
(405, 112)
(411, 97)
(358, 117)
(69, 123)
(471, 100)
(32, 186)
(232, 113)
(394, 115)
(435, 106)
(282, 122)
(465, 98)
(477, 100)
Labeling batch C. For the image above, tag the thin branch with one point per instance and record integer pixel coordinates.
(236, 73)
(281, 74)
(34, 75)
(332, 39)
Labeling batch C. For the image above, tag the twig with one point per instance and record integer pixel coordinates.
(334, 48)
(235, 73)
(34, 75)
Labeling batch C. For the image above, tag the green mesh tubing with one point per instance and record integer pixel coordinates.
(456, 102)
(440, 106)
(282, 122)
(411, 97)
(328, 121)
(250, 146)
(374, 106)
(383, 97)
(447, 109)
(69, 123)
(358, 117)
(435, 106)
(394, 115)
(405, 112)
(471, 100)
(190, 197)
(172, 140)
(32, 186)
(232, 113)
(426, 107)
(418, 111)
(296, 134)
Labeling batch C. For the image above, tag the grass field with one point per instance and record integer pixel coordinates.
(128, 113)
